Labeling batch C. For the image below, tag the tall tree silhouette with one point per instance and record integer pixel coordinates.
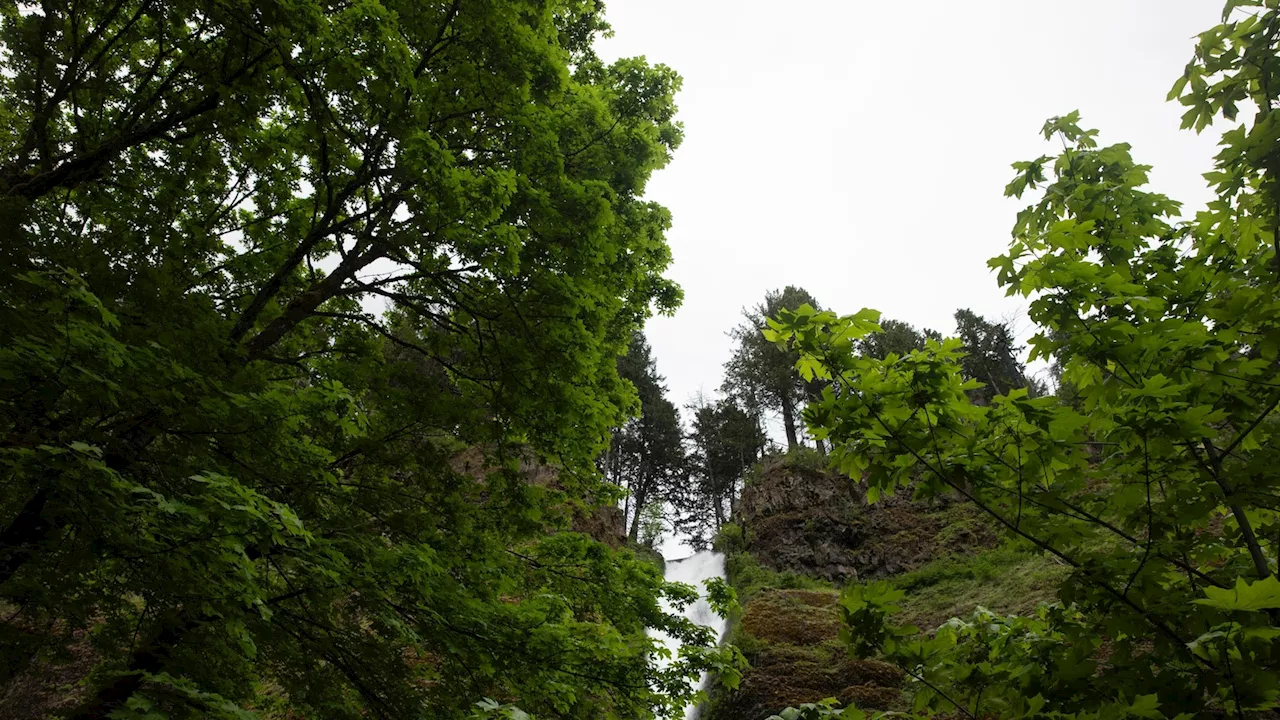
(990, 356)
(647, 454)
(761, 375)
(725, 441)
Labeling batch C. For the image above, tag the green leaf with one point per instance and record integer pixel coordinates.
(1247, 596)
(1146, 706)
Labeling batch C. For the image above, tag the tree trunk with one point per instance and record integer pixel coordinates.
(634, 535)
(789, 424)
(626, 510)
(19, 541)
(147, 659)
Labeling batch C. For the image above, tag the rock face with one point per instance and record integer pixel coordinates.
(603, 523)
(813, 522)
(806, 524)
(791, 639)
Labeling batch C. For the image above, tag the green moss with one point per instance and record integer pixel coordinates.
(791, 638)
(749, 578)
(1005, 580)
(960, 523)
(730, 540)
(801, 457)
(648, 554)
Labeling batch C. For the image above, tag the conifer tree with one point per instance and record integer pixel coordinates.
(762, 375)
(726, 440)
(896, 337)
(647, 454)
(991, 357)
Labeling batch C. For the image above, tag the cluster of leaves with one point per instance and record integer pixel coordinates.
(234, 482)
(993, 666)
(990, 352)
(1157, 485)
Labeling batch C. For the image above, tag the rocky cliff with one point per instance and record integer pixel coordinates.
(797, 516)
(801, 533)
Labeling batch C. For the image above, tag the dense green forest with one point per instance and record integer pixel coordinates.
(325, 393)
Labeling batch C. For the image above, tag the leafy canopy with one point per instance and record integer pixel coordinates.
(309, 315)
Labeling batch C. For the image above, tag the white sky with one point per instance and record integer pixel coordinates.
(861, 151)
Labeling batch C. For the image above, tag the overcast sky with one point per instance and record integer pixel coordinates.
(860, 150)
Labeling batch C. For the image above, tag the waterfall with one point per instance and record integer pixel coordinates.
(692, 570)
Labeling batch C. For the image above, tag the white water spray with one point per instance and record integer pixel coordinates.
(693, 570)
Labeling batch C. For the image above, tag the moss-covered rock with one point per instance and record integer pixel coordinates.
(790, 637)
(648, 554)
(792, 617)
(749, 577)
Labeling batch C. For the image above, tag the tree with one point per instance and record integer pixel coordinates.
(647, 454)
(762, 375)
(726, 441)
(1170, 334)
(895, 337)
(990, 356)
(224, 467)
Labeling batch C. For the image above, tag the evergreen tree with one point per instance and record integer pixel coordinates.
(647, 454)
(726, 440)
(990, 356)
(762, 375)
(895, 337)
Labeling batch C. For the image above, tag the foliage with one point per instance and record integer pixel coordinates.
(647, 454)
(730, 539)
(231, 473)
(988, 654)
(990, 357)
(489, 708)
(653, 526)
(800, 458)
(760, 374)
(896, 337)
(826, 709)
(1157, 488)
(1004, 579)
(725, 441)
(647, 554)
(722, 597)
(749, 577)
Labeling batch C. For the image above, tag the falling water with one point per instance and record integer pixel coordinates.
(692, 570)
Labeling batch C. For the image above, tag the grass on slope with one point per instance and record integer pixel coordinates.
(1005, 580)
